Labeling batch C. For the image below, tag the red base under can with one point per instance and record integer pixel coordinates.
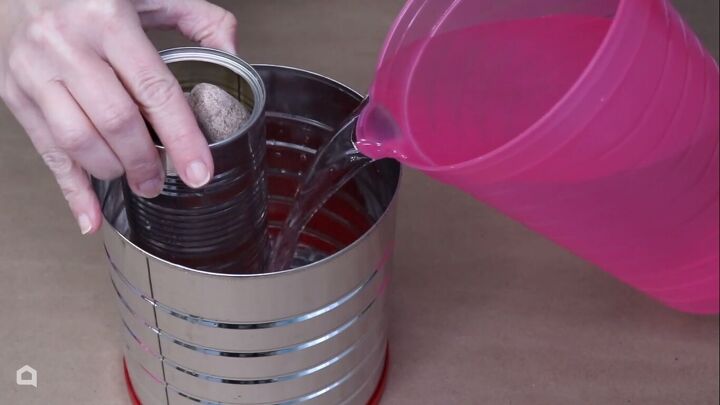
(374, 400)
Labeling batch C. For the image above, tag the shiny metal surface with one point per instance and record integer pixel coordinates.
(221, 227)
(315, 334)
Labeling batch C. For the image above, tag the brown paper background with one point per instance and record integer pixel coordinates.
(484, 312)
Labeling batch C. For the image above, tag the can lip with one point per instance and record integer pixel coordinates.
(355, 94)
(232, 63)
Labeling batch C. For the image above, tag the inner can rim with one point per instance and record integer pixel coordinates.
(231, 62)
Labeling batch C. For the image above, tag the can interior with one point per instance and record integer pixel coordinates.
(303, 110)
(190, 73)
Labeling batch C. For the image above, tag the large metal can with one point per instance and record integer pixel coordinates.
(314, 334)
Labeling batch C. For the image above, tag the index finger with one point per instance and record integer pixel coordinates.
(160, 98)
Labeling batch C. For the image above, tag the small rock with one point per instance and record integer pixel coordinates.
(218, 113)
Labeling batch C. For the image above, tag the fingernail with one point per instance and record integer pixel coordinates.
(150, 188)
(198, 174)
(85, 224)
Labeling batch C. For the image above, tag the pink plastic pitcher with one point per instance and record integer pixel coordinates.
(594, 123)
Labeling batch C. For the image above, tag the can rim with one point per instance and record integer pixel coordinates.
(233, 63)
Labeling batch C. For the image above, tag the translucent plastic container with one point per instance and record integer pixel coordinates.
(594, 123)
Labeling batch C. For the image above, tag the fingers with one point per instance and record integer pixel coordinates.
(75, 185)
(73, 181)
(199, 20)
(74, 133)
(162, 101)
(117, 118)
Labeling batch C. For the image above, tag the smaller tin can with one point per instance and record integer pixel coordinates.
(221, 227)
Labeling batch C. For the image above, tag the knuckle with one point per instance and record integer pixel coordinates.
(108, 173)
(228, 20)
(58, 162)
(154, 90)
(17, 61)
(106, 11)
(222, 22)
(11, 95)
(143, 167)
(117, 118)
(181, 142)
(44, 28)
(73, 140)
(71, 190)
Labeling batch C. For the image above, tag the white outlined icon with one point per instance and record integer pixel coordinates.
(26, 375)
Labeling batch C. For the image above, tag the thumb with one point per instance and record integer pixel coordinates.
(198, 20)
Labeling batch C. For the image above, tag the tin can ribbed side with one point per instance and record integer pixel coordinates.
(221, 227)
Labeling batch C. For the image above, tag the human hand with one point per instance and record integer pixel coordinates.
(80, 75)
